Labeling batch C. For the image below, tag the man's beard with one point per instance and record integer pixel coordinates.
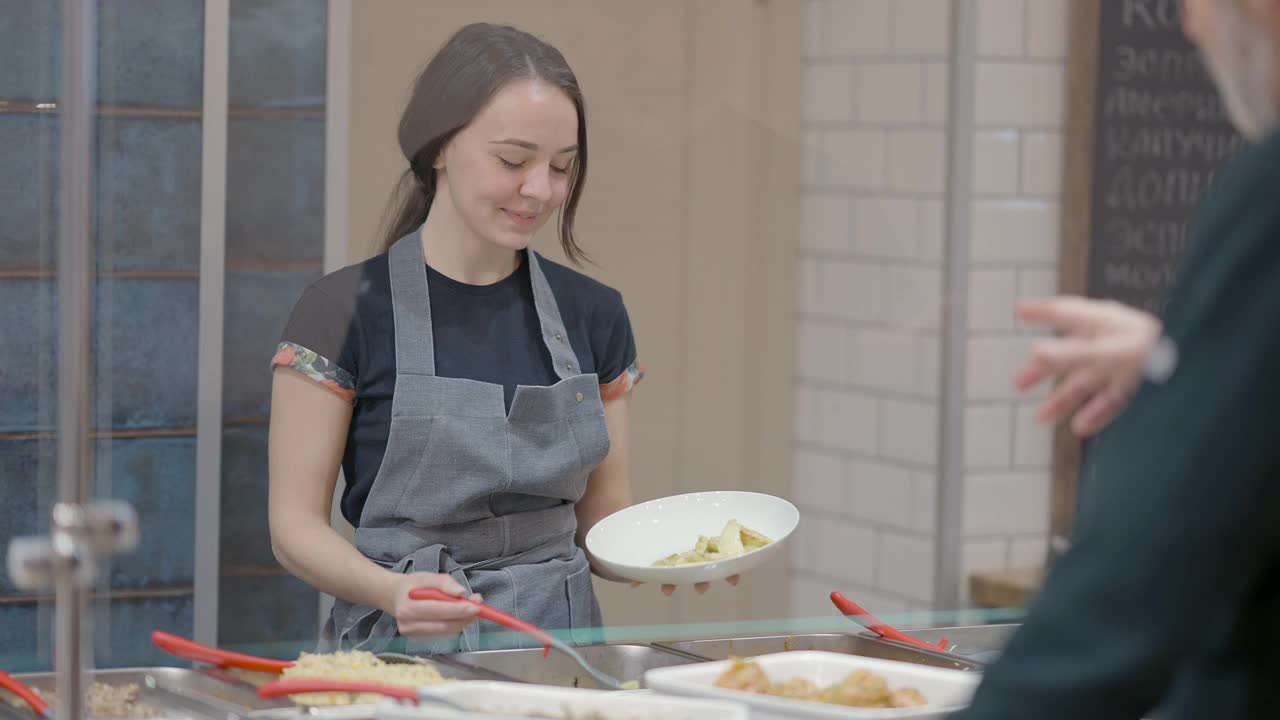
(1243, 66)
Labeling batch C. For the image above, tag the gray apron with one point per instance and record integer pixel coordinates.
(471, 489)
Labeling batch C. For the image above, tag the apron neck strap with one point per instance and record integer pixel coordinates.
(554, 336)
(411, 303)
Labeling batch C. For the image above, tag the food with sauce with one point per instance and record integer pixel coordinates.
(860, 689)
(357, 666)
(733, 541)
(103, 700)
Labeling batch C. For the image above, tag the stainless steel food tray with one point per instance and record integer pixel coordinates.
(982, 643)
(625, 662)
(865, 646)
(177, 693)
(202, 693)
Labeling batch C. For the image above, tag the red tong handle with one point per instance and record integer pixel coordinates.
(489, 614)
(870, 622)
(19, 688)
(295, 686)
(192, 650)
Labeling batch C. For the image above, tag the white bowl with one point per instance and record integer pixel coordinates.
(947, 691)
(629, 541)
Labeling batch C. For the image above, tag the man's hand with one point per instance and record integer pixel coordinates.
(1096, 359)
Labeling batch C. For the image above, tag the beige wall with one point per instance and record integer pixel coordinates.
(690, 211)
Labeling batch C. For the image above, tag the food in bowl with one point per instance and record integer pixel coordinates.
(357, 666)
(734, 540)
(860, 688)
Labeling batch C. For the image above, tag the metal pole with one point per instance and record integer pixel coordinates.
(213, 218)
(72, 646)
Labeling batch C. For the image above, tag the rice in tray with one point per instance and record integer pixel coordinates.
(104, 701)
(358, 666)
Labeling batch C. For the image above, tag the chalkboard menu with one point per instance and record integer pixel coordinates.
(1161, 132)
(1146, 134)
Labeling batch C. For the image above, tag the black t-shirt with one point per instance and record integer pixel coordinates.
(342, 334)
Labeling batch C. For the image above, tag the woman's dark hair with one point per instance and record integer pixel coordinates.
(462, 77)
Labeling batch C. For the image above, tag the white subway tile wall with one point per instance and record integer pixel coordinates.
(913, 297)
(875, 107)
(1047, 23)
(937, 85)
(871, 269)
(910, 432)
(1020, 99)
(880, 494)
(888, 228)
(884, 359)
(891, 94)
(904, 564)
(858, 28)
(980, 555)
(917, 161)
(1042, 164)
(819, 480)
(823, 101)
(1005, 504)
(822, 352)
(920, 27)
(1013, 93)
(1000, 24)
(988, 437)
(846, 551)
(995, 162)
(1014, 231)
(992, 362)
(932, 232)
(825, 223)
(991, 299)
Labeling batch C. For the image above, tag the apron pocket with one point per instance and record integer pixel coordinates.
(356, 627)
(584, 612)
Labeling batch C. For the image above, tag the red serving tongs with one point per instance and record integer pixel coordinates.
(855, 611)
(192, 650)
(548, 641)
(19, 688)
(490, 614)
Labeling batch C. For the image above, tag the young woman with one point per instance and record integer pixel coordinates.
(474, 393)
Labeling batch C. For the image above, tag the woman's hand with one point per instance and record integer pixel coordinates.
(1097, 358)
(700, 588)
(427, 618)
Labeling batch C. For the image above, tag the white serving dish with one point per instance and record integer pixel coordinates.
(946, 690)
(629, 541)
(508, 700)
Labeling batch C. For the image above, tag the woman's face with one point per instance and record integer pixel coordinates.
(508, 170)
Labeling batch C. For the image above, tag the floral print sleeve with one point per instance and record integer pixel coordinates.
(623, 383)
(316, 367)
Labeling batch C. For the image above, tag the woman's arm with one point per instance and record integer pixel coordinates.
(308, 434)
(609, 487)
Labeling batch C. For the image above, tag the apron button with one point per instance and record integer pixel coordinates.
(568, 368)
(579, 397)
(558, 336)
